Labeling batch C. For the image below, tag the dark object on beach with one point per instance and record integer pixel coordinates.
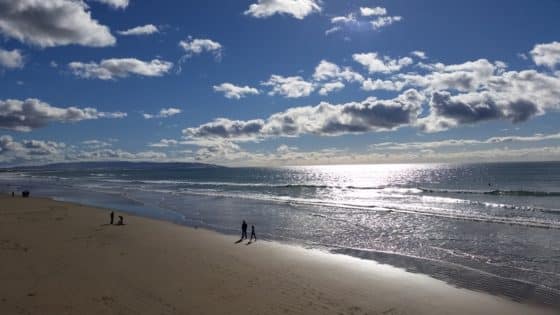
(244, 230)
(25, 193)
(253, 235)
(13, 194)
(121, 220)
(112, 216)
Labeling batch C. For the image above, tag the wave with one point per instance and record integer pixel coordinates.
(388, 208)
(379, 188)
(497, 192)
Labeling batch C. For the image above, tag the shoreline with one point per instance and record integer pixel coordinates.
(454, 274)
(62, 257)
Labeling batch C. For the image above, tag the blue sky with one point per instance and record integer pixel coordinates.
(276, 82)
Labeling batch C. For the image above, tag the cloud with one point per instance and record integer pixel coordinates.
(547, 55)
(419, 54)
(225, 150)
(333, 29)
(350, 18)
(96, 144)
(383, 21)
(109, 69)
(440, 97)
(197, 46)
(462, 142)
(367, 18)
(375, 11)
(163, 113)
(450, 111)
(11, 150)
(32, 114)
(224, 129)
(11, 59)
(164, 143)
(235, 92)
(291, 87)
(118, 155)
(468, 76)
(387, 85)
(323, 119)
(327, 77)
(49, 23)
(477, 91)
(375, 63)
(326, 70)
(329, 87)
(147, 29)
(117, 4)
(299, 9)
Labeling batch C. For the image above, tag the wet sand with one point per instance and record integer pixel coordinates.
(63, 258)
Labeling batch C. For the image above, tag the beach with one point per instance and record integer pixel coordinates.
(64, 258)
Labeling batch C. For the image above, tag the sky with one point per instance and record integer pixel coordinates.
(279, 82)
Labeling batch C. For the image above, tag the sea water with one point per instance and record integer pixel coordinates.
(492, 227)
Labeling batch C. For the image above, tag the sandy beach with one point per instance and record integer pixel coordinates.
(63, 258)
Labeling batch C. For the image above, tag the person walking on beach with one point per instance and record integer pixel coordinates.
(244, 230)
(253, 235)
(112, 216)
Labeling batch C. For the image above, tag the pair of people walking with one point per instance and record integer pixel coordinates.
(244, 232)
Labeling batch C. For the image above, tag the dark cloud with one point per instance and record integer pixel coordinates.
(49, 23)
(32, 113)
(323, 119)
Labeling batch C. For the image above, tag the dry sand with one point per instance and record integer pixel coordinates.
(62, 258)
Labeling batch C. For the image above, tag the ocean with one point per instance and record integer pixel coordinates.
(493, 227)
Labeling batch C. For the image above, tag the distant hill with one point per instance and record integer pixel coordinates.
(113, 165)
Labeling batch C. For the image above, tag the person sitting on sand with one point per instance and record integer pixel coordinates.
(244, 230)
(112, 216)
(121, 220)
(253, 235)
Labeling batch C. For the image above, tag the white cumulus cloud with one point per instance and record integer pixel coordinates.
(291, 87)
(235, 92)
(114, 68)
(147, 29)
(375, 11)
(419, 54)
(117, 4)
(299, 9)
(383, 21)
(326, 70)
(329, 87)
(376, 63)
(547, 55)
(164, 113)
(11, 59)
(196, 46)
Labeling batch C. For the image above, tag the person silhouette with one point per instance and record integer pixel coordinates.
(253, 235)
(244, 230)
(121, 220)
(112, 216)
